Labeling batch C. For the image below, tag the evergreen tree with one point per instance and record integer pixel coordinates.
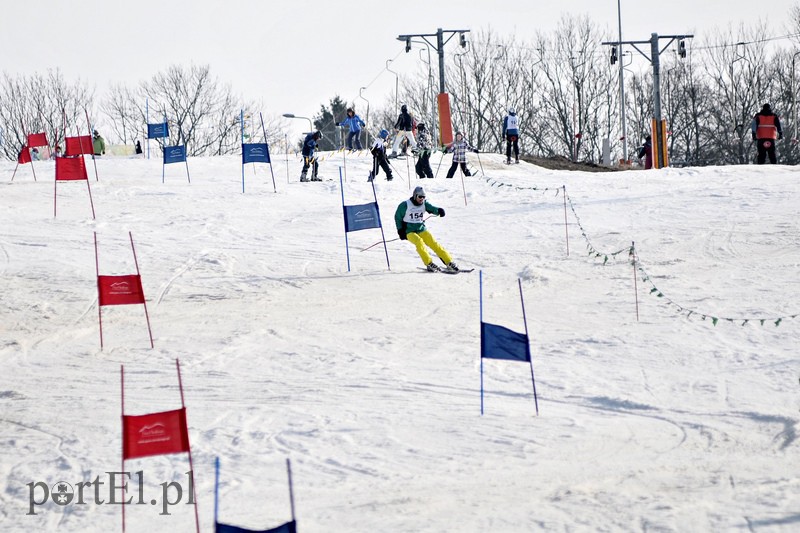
(326, 120)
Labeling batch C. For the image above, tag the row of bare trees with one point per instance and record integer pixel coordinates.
(202, 112)
(566, 93)
(40, 103)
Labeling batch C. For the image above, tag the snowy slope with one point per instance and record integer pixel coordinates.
(369, 380)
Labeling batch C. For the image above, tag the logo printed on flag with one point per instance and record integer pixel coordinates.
(120, 287)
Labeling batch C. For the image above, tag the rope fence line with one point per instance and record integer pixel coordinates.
(646, 277)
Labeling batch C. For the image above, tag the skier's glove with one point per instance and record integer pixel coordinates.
(475, 150)
(441, 212)
(402, 234)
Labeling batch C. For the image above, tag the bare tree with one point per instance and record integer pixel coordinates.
(203, 113)
(125, 118)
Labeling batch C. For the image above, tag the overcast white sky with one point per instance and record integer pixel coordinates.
(296, 55)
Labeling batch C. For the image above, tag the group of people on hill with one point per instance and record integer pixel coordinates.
(421, 145)
(765, 128)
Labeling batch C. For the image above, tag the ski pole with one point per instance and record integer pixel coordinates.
(479, 162)
(395, 169)
(377, 243)
(463, 186)
(439, 165)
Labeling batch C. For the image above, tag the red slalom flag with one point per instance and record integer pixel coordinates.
(154, 434)
(120, 290)
(37, 139)
(78, 145)
(70, 169)
(24, 156)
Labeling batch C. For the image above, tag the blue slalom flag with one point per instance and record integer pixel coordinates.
(364, 216)
(157, 131)
(174, 154)
(255, 153)
(288, 527)
(498, 342)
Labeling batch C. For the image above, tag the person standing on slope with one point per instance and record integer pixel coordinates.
(511, 134)
(646, 151)
(98, 144)
(423, 166)
(355, 124)
(379, 161)
(403, 129)
(309, 157)
(459, 147)
(766, 129)
(409, 219)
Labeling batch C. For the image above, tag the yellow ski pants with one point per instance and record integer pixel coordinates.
(419, 240)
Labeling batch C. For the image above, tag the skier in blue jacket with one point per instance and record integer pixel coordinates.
(355, 124)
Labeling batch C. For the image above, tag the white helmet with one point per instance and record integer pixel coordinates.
(511, 111)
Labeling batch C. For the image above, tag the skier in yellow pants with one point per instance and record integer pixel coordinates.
(409, 219)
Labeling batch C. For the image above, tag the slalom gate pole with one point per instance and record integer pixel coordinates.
(480, 299)
(291, 487)
(346, 243)
(216, 491)
(566, 228)
(122, 409)
(286, 140)
(88, 125)
(191, 463)
(528, 346)
(383, 235)
(635, 283)
(272, 173)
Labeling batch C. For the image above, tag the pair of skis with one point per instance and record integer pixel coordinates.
(447, 270)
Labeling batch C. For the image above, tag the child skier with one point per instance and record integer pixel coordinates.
(379, 161)
(411, 227)
(459, 147)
